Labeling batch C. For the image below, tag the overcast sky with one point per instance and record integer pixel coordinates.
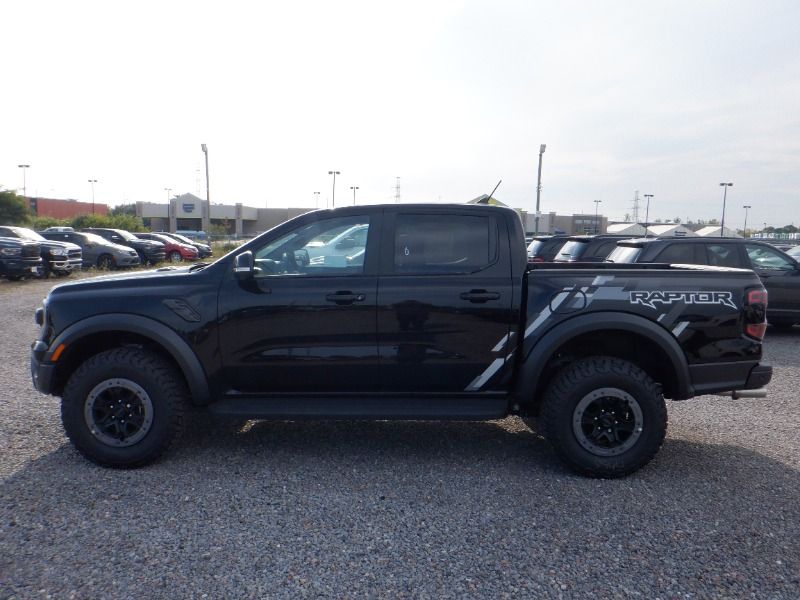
(668, 98)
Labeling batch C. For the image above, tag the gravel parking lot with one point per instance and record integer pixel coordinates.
(381, 509)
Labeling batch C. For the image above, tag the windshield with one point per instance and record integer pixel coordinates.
(572, 250)
(28, 234)
(93, 238)
(624, 254)
(127, 236)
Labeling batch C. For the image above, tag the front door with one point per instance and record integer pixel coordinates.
(305, 322)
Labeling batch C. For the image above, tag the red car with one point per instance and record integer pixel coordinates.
(176, 251)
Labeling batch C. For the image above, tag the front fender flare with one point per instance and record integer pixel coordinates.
(549, 342)
(165, 337)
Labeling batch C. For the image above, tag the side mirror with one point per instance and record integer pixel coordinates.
(243, 265)
(346, 244)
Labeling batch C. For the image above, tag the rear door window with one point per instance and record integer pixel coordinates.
(723, 255)
(765, 258)
(441, 244)
(679, 253)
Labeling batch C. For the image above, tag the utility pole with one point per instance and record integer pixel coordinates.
(647, 215)
(636, 207)
(746, 207)
(333, 196)
(92, 181)
(316, 199)
(169, 195)
(596, 207)
(724, 198)
(397, 191)
(207, 221)
(538, 190)
(24, 182)
(354, 188)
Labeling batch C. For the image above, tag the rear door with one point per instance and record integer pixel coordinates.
(444, 300)
(781, 277)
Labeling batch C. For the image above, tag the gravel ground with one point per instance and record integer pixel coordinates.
(378, 509)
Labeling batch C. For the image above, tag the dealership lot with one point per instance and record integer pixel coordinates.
(371, 509)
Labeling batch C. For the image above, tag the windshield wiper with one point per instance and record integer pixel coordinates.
(198, 266)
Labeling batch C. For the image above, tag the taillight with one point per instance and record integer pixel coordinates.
(755, 313)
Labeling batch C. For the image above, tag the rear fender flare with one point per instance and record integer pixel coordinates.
(550, 341)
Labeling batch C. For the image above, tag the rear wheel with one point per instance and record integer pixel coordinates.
(106, 262)
(124, 407)
(605, 416)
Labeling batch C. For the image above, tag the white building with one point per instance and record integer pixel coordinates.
(716, 231)
(670, 230)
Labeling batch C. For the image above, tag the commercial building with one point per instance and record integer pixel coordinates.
(64, 209)
(186, 212)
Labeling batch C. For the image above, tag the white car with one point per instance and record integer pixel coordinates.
(347, 244)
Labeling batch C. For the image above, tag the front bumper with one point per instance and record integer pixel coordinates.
(66, 265)
(42, 373)
(21, 267)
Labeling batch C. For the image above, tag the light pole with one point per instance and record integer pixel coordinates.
(596, 208)
(168, 190)
(354, 188)
(333, 196)
(538, 189)
(746, 207)
(316, 199)
(92, 181)
(724, 198)
(24, 183)
(647, 215)
(207, 224)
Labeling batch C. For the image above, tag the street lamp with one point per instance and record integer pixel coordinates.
(24, 183)
(316, 199)
(538, 189)
(647, 215)
(354, 188)
(207, 224)
(333, 196)
(596, 207)
(746, 207)
(724, 198)
(92, 181)
(168, 190)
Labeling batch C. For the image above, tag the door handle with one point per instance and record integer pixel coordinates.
(479, 296)
(342, 298)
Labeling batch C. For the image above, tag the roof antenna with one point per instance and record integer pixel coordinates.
(489, 197)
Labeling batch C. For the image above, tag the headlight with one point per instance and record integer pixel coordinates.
(58, 251)
(10, 251)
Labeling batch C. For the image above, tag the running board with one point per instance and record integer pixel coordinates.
(394, 408)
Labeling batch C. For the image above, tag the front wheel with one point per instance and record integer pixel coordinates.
(175, 256)
(106, 262)
(123, 408)
(605, 416)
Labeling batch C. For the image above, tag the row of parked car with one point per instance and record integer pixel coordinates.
(778, 269)
(61, 250)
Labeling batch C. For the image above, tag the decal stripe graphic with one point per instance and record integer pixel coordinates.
(501, 343)
(481, 379)
(679, 328)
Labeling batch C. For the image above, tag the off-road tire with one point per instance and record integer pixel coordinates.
(165, 392)
(586, 384)
(106, 262)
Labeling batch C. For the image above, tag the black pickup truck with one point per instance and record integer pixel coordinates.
(434, 313)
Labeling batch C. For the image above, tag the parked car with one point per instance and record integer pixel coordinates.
(58, 258)
(97, 251)
(779, 271)
(203, 250)
(148, 250)
(443, 319)
(347, 243)
(19, 258)
(588, 248)
(544, 248)
(794, 252)
(176, 251)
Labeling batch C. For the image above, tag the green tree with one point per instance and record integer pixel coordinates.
(124, 209)
(126, 222)
(13, 209)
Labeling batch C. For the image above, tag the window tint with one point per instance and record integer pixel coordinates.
(428, 244)
(572, 249)
(605, 249)
(723, 255)
(762, 257)
(328, 247)
(681, 253)
(624, 254)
